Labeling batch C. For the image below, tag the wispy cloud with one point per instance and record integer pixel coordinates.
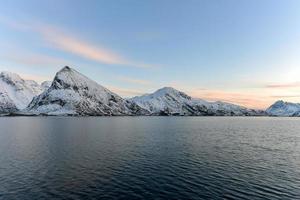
(244, 99)
(67, 42)
(285, 96)
(72, 44)
(284, 85)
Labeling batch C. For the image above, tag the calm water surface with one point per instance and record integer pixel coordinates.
(149, 158)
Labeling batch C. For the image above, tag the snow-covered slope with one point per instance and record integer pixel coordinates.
(46, 84)
(6, 104)
(169, 101)
(72, 93)
(281, 108)
(165, 101)
(15, 92)
(220, 108)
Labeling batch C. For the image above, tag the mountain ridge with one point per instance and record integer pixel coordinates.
(283, 108)
(169, 101)
(72, 93)
(16, 93)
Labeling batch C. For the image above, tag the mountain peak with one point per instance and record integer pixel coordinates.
(7, 73)
(10, 77)
(282, 108)
(68, 77)
(279, 102)
(72, 93)
(166, 90)
(167, 100)
(169, 91)
(66, 68)
(15, 92)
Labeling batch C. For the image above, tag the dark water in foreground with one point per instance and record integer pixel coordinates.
(149, 158)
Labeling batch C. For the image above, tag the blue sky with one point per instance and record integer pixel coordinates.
(244, 52)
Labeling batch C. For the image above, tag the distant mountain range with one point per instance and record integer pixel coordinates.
(169, 101)
(73, 94)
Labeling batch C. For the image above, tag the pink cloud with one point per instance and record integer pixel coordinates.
(79, 47)
(286, 96)
(244, 99)
(284, 85)
(67, 42)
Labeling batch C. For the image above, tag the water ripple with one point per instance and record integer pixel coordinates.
(149, 158)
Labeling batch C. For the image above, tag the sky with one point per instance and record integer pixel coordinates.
(243, 52)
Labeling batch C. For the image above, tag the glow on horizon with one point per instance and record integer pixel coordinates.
(250, 100)
(245, 53)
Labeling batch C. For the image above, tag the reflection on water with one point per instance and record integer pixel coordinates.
(149, 157)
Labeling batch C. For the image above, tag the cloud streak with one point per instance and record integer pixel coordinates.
(285, 96)
(284, 85)
(247, 100)
(82, 48)
(69, 43)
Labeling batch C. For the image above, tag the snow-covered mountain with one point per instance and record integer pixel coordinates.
(72, 93)
(169, 101)
(15, 92)
(285, 109)
(220, 108)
